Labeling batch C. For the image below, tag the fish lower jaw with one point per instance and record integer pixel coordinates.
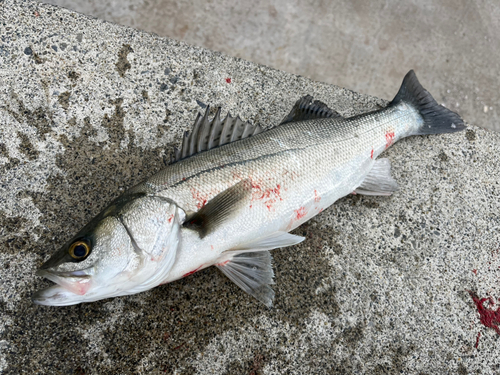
(56, 295)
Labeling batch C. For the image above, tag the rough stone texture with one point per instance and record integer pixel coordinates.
(380, 286)
(366, 46)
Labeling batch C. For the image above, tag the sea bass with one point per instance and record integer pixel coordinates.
(232, 194)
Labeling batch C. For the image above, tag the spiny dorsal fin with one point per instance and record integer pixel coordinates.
(306, 109)
(208, 134)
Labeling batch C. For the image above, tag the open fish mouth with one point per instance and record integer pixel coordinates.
(71, 286)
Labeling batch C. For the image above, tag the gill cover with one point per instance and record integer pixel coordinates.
(153, 225)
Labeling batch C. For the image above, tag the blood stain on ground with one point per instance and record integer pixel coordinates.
(487, 315)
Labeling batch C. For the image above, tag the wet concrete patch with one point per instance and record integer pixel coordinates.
(122, 65)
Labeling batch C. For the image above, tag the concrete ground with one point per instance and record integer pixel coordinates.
(381, 285)
(366, 46)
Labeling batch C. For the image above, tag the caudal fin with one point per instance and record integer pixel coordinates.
(437, 119)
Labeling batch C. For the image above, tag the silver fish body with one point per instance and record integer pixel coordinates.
(228, 206)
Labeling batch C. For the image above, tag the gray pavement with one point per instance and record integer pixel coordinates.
(366, 46)
(381, 285)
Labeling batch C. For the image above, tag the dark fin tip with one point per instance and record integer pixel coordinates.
(305, 109)
(437, 119)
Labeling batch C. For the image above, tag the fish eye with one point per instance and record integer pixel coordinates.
(79, 249)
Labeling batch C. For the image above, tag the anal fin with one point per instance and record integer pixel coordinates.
(379, 180)
(252, 272)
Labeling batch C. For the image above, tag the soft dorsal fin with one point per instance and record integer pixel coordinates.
(306, 109)
(208, 134)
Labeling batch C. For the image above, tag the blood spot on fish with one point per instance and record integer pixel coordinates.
(237, 175)
(222, 264)
(191, 272)
(256, 186)
(200, 198)
(228, 80)
(371, 156)
(170, 218)
(269, 196)
(389, 139)
(290, 174)
(477, 340)
(474, 271)
(317, 198)
(300, 213)
(487, 316)
(212, 247)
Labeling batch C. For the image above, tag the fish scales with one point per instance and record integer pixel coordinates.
(298, 157)
(230, 205)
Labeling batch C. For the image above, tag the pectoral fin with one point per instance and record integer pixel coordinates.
(220, 208)
(379, 180)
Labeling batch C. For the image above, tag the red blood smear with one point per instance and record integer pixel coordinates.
(300, 213)
(191, 272)
(372, 154)
(389, 139)
(270, 196)
(474, 271)
(477, 339)
(228, 80)
(488, 317)
(317, 198)
(199, 197)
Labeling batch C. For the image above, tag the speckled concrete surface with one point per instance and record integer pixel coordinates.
(364, 45)
(381, 285)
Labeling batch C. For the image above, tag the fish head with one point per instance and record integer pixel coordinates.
(128, 248)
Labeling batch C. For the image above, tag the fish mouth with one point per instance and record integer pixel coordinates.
(51, 275)
(70, 289)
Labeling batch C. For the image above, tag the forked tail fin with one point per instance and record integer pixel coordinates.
(437, 119)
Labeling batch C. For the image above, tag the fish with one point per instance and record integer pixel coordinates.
(232, 193)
